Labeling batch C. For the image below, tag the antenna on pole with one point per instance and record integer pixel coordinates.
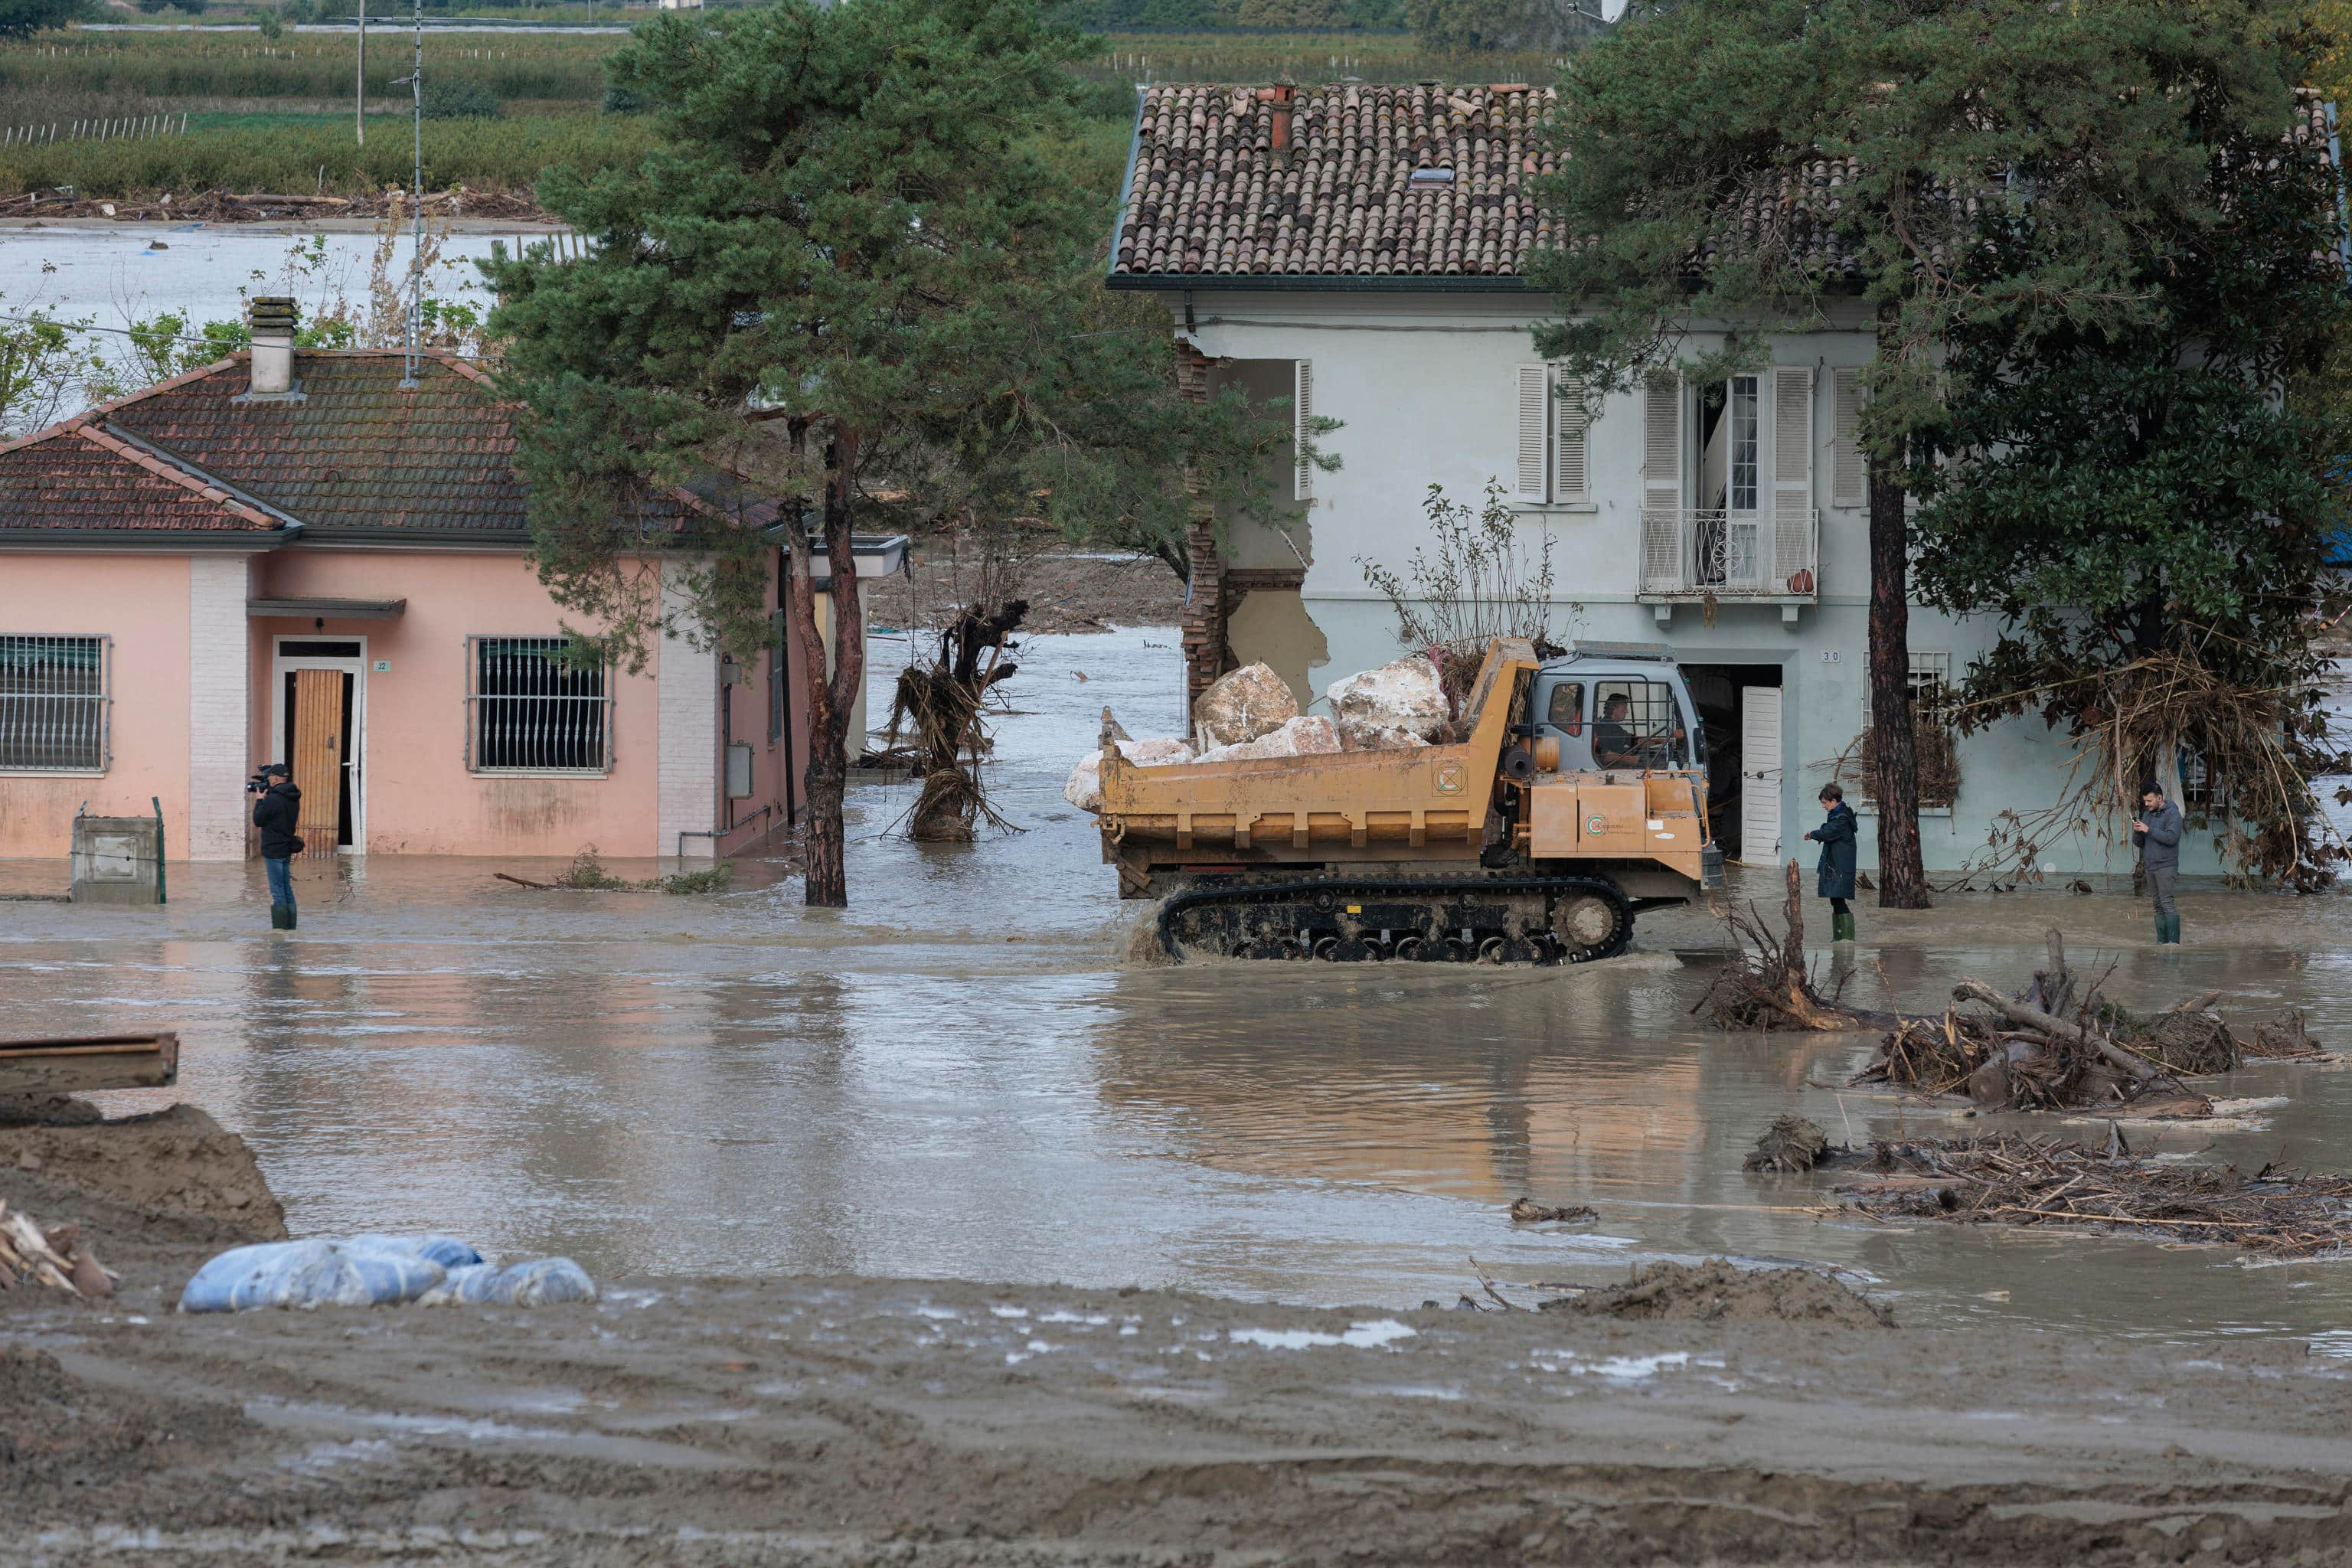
(417, 209)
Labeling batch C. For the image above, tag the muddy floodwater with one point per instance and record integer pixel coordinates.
(965, 1076)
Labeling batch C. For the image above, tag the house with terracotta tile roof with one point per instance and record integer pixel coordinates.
(1362, 250)
(310, 556)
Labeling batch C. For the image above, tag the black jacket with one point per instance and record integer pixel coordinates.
(1836, 838)
(277, 813)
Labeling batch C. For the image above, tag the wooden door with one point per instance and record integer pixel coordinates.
(318, 759)
(1760, 775)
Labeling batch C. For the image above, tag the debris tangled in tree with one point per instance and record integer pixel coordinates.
(940, 705)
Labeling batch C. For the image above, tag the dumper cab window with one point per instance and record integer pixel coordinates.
(1565, 710)
(1638, 724)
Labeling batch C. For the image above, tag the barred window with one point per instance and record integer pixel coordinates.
(1931, 687)
(530, 712)
(53, 703)
(1637, 724)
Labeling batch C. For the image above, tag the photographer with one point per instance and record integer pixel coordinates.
(277, 813)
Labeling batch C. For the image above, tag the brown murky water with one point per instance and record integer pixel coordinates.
(959, 1078)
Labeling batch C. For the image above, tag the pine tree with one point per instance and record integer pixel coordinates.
(856, 275)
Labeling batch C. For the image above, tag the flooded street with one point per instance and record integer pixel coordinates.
(963, 1076)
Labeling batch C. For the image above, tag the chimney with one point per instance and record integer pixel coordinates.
(269, 320)
(1284, 94)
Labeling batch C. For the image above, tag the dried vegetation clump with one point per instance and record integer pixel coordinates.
(2011, 1180)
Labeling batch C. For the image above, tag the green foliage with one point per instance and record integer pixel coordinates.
(23, 18)
(859, 220)
(269, 26)
(1483, 25)
(457, 98)
(508, 155)
(172, 68)
(45, 361)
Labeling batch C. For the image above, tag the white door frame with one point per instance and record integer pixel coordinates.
(281, 663)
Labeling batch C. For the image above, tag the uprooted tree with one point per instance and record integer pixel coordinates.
(850, 260)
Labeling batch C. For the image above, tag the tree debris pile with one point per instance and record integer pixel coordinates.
(2062, 1045)
(1767, 984)
(1790, 1146)
(57, 1258)
(940, 705)
(2013, 1180)
(1718, 1291)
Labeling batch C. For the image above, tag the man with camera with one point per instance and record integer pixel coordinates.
(277, 811)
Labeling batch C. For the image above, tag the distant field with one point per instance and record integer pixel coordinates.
(317, 155)
(155, 72)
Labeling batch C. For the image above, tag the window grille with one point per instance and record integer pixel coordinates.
(1931, 687)
(1745, 430)
(53, 703)
(528, 711)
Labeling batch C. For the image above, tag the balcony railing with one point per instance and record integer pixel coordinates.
(1732, 554)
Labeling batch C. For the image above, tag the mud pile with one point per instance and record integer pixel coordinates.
(1717, 1292)
(176, 1162)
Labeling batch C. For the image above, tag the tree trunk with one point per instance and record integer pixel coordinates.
(1902, 880)
(830, 691)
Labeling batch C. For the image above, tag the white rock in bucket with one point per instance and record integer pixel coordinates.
(1249, 702)
(1085, 788)
(1397, 706)
(1310, 736)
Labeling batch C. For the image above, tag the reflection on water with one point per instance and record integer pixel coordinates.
(959, 1076)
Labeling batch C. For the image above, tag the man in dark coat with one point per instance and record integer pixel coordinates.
(1837, 841)
(2156, 833)
(277, 813)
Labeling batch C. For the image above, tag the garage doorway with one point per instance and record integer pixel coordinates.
(1739, 708)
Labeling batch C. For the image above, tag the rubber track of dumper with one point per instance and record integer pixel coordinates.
(1429, 889)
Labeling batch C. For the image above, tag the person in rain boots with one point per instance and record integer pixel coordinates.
(1837, 841)
(276, 814)
(2157, 834)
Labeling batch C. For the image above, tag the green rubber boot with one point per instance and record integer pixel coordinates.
(1841, 927)
(2172, 929)
(281, 917)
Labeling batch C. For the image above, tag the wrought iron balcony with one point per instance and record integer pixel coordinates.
(1691, 554)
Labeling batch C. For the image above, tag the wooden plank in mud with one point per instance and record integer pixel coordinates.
(96, 1061)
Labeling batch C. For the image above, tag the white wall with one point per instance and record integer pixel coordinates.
(1425, 388)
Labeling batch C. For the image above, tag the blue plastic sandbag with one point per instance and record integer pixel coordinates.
(446, 1250)
(309, 1274)
(540, 1282)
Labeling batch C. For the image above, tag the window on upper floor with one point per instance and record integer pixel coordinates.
(53, 703)
(530, 711)
(1554, 422)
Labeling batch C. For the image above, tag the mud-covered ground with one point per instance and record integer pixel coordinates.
(815, 1420)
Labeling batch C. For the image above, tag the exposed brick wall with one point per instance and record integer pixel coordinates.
(686, 685)
(1205, 653)
(218, 699)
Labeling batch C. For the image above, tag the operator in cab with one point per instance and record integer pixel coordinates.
(1615, 745)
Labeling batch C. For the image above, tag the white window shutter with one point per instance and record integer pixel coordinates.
(1302, 427)
(1661, 483)
(1529, 483)
(1792, 475)
(1850, 477)
(1572, 478)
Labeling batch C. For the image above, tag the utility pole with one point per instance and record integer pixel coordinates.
(416, 204)
(359, 98)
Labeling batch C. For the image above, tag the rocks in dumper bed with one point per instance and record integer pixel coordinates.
(1397, 707)
(1311, 736)
(1718, 1291)
(1084, 789)
(1242, 706)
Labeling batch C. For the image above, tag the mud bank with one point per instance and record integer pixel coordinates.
(849, 1421)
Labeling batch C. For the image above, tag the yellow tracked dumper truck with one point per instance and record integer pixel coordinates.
(1578, 799)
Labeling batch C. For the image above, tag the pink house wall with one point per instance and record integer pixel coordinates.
(420, 798)
(141, 602)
